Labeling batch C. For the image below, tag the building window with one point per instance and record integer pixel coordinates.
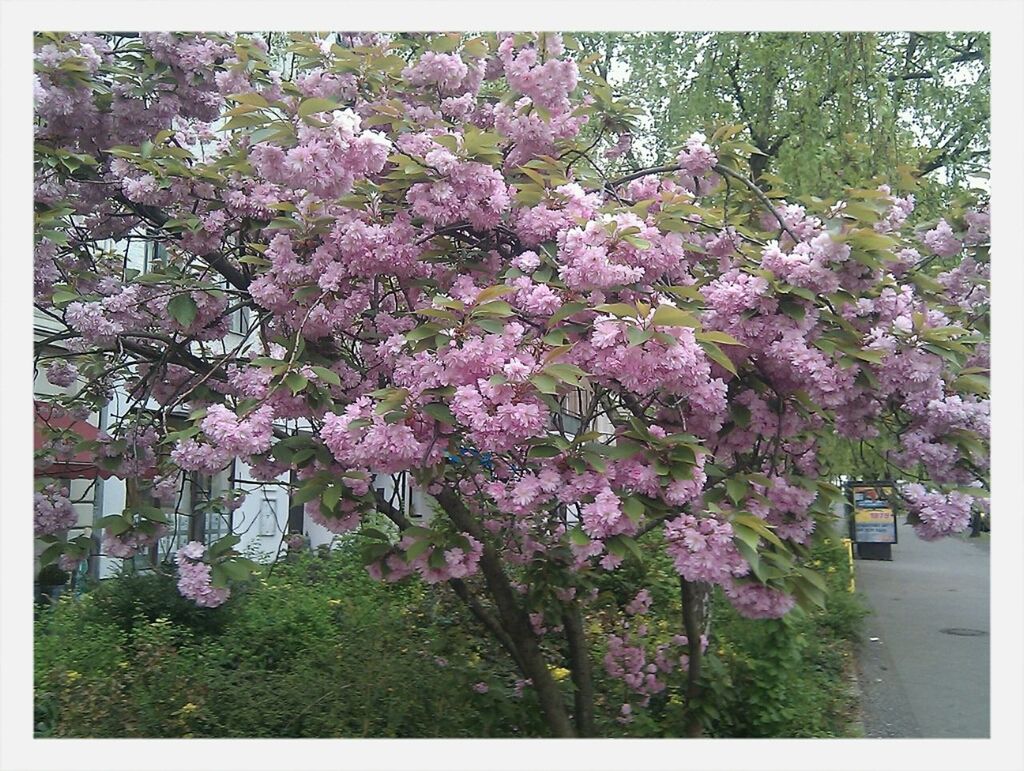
(268, 516)
(569, 419)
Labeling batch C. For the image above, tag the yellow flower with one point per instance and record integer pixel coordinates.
(334, 602)
(72, 675)
(559, 673)
(189, 708)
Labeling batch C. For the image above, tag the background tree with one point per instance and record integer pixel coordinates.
(828, 110)
(437, 250)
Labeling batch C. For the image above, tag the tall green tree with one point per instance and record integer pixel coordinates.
(827, 110)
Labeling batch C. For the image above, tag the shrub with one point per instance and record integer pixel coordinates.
(317, 648)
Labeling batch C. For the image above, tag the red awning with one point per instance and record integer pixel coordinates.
(82, 465)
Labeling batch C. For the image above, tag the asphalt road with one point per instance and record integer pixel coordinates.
(924, 661)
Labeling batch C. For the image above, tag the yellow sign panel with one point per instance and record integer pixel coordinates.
(873, 518)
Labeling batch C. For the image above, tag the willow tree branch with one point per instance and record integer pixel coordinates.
(765, 201)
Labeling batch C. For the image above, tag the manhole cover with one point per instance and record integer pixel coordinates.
(961, 632)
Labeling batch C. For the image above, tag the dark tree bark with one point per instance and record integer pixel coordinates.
(582, 673)
(695, 598)
(513, 618)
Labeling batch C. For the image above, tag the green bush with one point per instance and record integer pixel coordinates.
(317, 648)
(788, 677)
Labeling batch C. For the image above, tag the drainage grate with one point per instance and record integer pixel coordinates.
(961, 632)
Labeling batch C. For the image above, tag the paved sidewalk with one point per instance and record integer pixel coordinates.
(918, 679)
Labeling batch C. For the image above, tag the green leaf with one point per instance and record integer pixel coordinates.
(236, 570)
(417, 549)
(869, 355)
(331, 496)
(568, 373)
(793, 309)
(62, 297)
(543, 451)
(498, 308)
(975, 384)
(328, 376)
(312, 106)
(736, 487)
(183, 309)
(307, 492)
(638, 336)
(492, 293)
(567, 310)
(723, 338)
(621, 310)
(577, 537)
(623, 449)
(490, 325)
(634, 508)
(545, 383)
(717, 355)
(757, 524)
(51, 553)
(223, 545)
(296, 382)
(740, 414)
(115, 523)
(219, 577)
(440, 412)
(671, 316)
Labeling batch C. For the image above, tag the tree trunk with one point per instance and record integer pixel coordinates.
(582, 676)
(513, 618)
(696, 618)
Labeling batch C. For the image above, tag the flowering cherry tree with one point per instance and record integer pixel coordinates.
(437, 244)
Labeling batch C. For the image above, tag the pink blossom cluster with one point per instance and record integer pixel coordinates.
(604, 517)
(320, 83)
(379, 445)
(697, 158)
(194, 577)
(326, 161)
(788, 510)
(535, 299)
(640, 604)
(533, 134)
(459, 562)
(53, 511)
(674, 364)
(132, 541)
(979, 224)
(344, 520)
(935, 514)
(89, 320)
(236, 436)
(755, 600)
(448, 72)
(628, 662)
(702, 549)
(557, 212)
(496, 417)
(942, 241)
(809, 264)
(62, 373)
(543, 115)
(467, 191)
(899, 210)
(547, 84)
